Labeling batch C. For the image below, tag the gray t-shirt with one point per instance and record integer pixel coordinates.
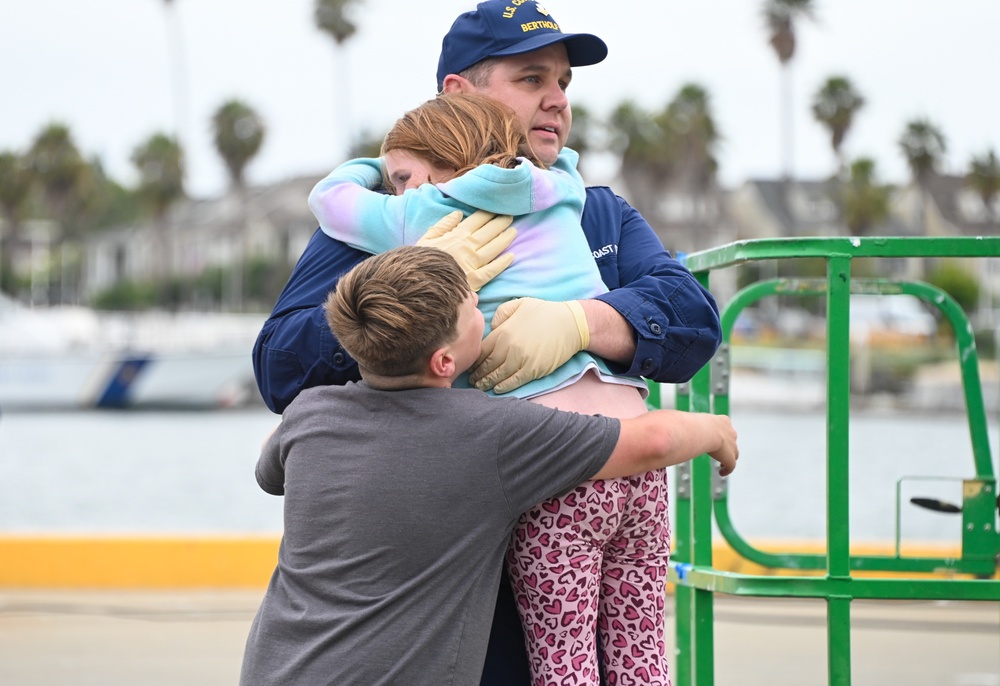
(398, 508)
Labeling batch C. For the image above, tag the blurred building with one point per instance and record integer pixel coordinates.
(273, 222)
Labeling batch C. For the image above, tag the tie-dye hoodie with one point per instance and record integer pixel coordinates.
(552, 258)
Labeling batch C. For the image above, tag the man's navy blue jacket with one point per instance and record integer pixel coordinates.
(676, 321)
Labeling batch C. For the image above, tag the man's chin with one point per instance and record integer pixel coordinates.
(545, 150)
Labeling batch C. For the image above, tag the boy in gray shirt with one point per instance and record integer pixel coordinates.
(397, 515)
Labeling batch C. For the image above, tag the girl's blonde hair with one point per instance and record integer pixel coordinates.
(461, 131)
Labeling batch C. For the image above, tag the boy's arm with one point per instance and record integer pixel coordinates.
(663, 438)
(270, 472)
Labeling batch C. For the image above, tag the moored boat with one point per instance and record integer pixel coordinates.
(73, 357)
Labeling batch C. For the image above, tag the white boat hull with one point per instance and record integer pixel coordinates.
(89, 380)
(63, 358)
(47, 381)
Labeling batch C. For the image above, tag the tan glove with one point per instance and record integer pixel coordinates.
(474, 242)
(530, 339)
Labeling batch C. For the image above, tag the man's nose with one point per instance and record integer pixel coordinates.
(555, 98)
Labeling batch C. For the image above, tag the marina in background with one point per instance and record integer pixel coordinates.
(66, 357)
(191, 473)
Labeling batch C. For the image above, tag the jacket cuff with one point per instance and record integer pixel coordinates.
(650, 327)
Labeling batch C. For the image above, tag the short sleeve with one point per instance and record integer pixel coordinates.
(545, 452)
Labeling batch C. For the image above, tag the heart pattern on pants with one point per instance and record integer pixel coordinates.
(591, 567)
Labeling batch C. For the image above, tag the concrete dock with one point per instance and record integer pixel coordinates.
(161, 638)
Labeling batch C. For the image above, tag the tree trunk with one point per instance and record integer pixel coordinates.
(787, 133)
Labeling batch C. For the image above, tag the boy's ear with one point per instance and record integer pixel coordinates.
(442, 363)
(453, 83)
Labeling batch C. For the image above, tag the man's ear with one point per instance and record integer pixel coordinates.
(453, 83)
(442, 364)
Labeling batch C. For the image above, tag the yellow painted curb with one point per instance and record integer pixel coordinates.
(146, 562)
(152, 562)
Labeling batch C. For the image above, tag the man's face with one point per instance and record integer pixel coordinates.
(534, 86)
(471, 325)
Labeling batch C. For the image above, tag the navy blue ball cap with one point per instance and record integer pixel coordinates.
(498, 28)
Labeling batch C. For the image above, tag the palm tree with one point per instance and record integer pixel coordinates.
(864, 201)
(923, 145)
(688, 124)
(670, 156)
(177, 70)
(647, 159)
(16, 181)
(581, 135)
(334, 18)
(56, 162)
(688, 121)
(636, 136)
(160, 162)
(105, 202)
(366, 144)
(239, 133)
(984, 178)
(781, 16)
(834, 106)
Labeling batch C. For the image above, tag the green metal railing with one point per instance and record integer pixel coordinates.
(700, 492)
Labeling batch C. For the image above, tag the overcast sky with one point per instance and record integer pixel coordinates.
(104, 68)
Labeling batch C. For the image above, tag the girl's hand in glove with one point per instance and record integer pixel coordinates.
(475, 242)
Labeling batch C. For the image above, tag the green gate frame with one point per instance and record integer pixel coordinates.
(700, 491)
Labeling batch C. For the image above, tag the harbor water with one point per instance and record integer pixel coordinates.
(192, 473)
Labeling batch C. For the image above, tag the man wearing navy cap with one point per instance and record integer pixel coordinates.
(515, 52)
(656, 322)
(514, 37)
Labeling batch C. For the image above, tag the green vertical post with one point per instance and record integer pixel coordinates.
(694, 663)
(654, 401)
(838, 637)
(702, 602)
(683, 599)
(838, 402)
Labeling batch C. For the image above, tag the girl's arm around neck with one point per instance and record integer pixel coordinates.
(349, 209)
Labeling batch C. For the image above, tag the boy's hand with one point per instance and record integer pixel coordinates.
(530, 339)
(728, 452)
(475, 242)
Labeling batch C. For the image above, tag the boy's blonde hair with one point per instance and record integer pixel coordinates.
(393, 310)
(461, 131)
